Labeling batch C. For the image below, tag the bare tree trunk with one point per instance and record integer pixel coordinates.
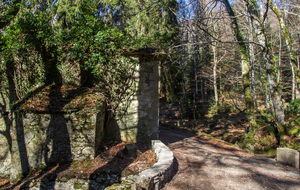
(270, 66)
(182, 83)
(19, 156)
(220, 82)
(195, 72)
(279, 61)
(298, 62)
(201, 89)
(251, 64)
(205, 90)
(215, 75)
(292, 57)
(267, 98)
(244, 62)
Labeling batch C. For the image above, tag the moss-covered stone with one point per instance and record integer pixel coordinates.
(55, 138)
(77, 186)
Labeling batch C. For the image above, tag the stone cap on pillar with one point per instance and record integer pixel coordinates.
(152, 53)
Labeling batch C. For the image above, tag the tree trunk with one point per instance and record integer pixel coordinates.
(195, 73)
(19, 158)
(201, 89)
(267, 98)
(292, 57)
(244, 62)
(279, 59)
(215, 76)
(87, 78)
(52, 74)
(251, 65)
(195, 68)
(205, 90)
(270, 66)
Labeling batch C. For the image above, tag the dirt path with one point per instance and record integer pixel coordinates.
(209, 164)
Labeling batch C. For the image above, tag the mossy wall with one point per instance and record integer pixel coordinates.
(51, 139)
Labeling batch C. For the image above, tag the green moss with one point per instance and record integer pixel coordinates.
(89, 126)
(75, 165)
(271, 152)
(260, 121)
(4, 176)
(249, 139)
(77, 186)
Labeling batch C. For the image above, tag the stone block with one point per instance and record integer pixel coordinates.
(131, 148)
(88, 151)
(288, 156)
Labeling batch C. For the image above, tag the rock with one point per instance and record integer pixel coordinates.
(88, 151)
(288, 156)
(64, 179)
(249, 147)
(131, 148)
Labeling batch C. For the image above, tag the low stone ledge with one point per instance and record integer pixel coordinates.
(155, 177)
(288, 156)
(161, 172)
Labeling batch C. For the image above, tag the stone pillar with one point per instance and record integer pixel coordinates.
(148, 100)
(137, 117)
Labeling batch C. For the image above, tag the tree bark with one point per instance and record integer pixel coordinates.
(19, 158)
(270, 66)
(292, 57)
(244, 63)
(215, 76)
(195, 68)
(251, 65)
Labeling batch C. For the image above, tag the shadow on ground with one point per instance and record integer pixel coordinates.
(204, 163)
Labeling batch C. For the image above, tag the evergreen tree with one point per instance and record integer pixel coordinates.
(151, 23)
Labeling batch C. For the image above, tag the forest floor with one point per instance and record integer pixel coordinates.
(206, 163)
(232, 128)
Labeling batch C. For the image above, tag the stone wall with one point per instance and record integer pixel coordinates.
(4, 149)
(50, 138)
(137, 116)
(153, 178)
(36, 139)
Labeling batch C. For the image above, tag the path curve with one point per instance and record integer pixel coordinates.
(209, 164)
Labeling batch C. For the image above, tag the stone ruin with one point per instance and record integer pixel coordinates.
(37, 139)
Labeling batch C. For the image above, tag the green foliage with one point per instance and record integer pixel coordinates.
(150, 22)
(40, 46)
(293, 109)
(27, 65)
(268, 115)
(213, 110)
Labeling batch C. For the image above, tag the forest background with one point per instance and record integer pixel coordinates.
(225, 59)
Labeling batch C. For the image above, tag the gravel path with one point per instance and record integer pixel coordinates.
(209, 164)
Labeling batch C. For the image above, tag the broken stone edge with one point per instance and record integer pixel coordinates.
(288, 156)
(155, 177)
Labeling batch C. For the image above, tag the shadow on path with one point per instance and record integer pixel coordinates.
(210, 164)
